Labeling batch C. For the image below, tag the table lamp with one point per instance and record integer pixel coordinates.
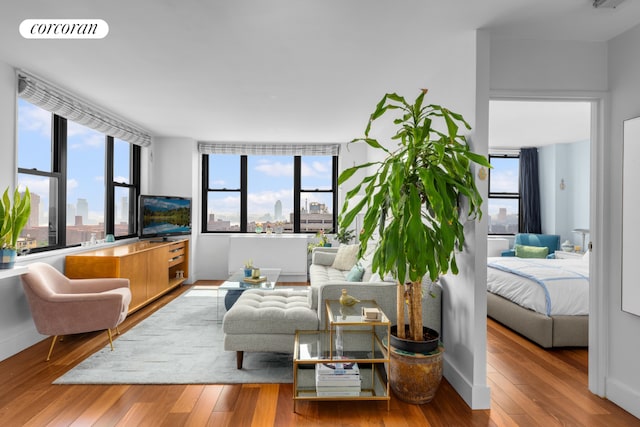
(584, 232)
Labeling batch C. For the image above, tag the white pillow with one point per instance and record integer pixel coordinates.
(346, 257)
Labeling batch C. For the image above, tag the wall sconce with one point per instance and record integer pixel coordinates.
(562, 185)
(482, 173)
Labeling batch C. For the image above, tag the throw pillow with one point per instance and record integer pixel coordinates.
(322, 258)
(355, 274)
(524, 251)
(346, 257)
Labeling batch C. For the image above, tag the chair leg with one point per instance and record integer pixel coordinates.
(117, 331)
(53, 342)
(110, 338)
(239, 357)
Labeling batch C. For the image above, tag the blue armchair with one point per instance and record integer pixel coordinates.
(551, 241)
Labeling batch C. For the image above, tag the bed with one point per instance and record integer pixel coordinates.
(546, 300)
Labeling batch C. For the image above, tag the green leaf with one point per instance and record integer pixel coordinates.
(349, 172)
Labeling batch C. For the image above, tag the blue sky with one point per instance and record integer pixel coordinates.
(504, 179)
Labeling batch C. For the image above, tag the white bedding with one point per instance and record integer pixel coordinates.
(548, 286)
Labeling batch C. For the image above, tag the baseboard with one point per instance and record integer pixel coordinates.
(623, 396)
(476, 396)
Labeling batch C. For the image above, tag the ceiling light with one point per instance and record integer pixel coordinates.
(606, 3)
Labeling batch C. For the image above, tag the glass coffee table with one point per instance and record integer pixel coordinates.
(236, 285)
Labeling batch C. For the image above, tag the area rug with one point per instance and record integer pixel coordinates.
(181, 343)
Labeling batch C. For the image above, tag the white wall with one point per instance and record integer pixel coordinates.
(563, 210)
(464, 297)
(173, 169)
(16, 327)
(7, 126)
(623, 374)
(547, 65)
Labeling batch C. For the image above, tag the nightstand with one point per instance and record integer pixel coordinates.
(567, 255)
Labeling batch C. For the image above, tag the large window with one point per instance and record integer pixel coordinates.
(294, 193)
(81, 181)
(504, 194)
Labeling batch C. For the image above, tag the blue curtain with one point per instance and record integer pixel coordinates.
(529, 219)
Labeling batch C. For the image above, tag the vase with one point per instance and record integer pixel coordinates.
(7, 258)
(415, 378)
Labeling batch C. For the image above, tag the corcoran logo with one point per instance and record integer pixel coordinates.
(64, 29)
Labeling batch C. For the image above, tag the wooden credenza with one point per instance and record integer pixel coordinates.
(151, 267)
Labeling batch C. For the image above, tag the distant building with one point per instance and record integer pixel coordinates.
(34, 219)
(124, 210)
(314, 222)
(71, 214)
(317, 208)
(278, 211)
(502, 215)
(219, 225)
(83, 210)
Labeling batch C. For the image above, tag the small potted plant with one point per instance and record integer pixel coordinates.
(322, 240)
(14, 217)
(248, 268)
(345, 236)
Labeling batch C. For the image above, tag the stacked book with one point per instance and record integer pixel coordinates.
(337, 379)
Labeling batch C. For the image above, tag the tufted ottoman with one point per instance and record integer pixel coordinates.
(267, 320)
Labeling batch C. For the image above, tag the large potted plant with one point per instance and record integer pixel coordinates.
(14, 217)
(414, 215)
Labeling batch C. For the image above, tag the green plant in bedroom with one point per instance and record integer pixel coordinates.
(413, 201)
(14, 216)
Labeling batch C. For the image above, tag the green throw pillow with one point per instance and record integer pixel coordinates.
(356, 273)
(523, 251)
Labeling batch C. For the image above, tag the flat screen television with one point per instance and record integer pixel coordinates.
(164, 216)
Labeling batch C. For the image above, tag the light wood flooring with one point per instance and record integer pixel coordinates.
(529, 387)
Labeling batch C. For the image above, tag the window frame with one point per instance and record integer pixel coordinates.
(58, 171)
(503, 195)
(243, 191)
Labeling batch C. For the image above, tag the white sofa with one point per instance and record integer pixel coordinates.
(266, 321)
(327, 283)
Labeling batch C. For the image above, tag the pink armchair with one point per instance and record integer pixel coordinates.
(63, 306)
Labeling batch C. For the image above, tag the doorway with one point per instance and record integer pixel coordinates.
(566, 132)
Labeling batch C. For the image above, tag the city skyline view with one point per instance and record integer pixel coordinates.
(503, 212)
(270, 180)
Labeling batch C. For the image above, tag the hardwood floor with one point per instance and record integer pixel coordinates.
(529, 387)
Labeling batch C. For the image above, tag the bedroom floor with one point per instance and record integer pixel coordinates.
(534, 386)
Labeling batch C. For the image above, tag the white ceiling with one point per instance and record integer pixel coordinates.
(270, 70)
